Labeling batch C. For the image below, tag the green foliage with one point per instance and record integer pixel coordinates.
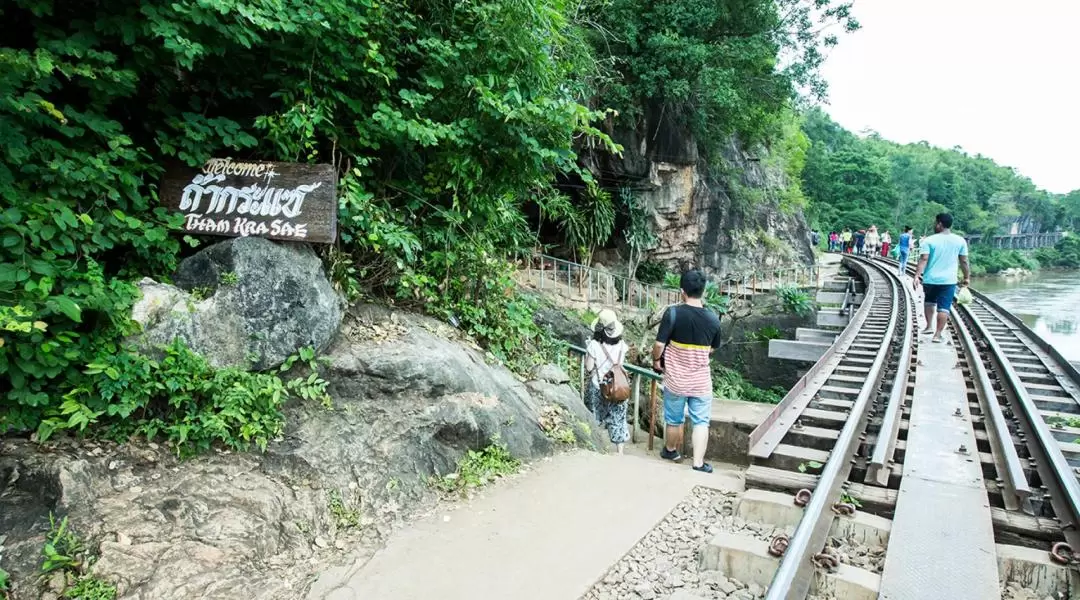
(638, 231)
(444, 118)
(809, 465)
(987, 261)
(649, 271)
(63, 548)
(478, 468)
(764, 334)
(1065, 254)
(90, 588)
(714, 68)
(857, 182)
(229, 278)
(795, 300)
(179, 397)
(729, 384)
(847, 498)
(713, 300)
(344, 516)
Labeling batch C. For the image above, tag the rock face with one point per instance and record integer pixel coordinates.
(245, 302)
(409, 401)
(725, 218)
(563, 327)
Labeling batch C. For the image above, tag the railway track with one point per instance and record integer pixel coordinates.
(897, 469)
(1035, 402)
(840, 441)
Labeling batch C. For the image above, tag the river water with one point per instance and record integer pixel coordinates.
(1047, 301)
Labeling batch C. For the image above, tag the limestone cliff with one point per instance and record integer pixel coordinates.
(724, 217)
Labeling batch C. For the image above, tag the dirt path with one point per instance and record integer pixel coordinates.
(548, 534)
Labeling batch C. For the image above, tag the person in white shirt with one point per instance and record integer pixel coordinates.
(605, 350)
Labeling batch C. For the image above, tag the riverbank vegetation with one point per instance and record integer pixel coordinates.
(1064, 255)
(855, 181)
(448, 124)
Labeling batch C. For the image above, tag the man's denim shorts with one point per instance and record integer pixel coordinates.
(939, 294)
(675, 409)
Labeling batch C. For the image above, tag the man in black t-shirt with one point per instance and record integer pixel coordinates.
(688, 334)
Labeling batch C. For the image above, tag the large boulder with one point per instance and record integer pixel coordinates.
(562, 326)
(246, 302)
(410, 399)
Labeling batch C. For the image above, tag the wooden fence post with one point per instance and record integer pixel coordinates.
(652, 413)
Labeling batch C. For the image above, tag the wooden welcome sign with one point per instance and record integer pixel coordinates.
(282, 201)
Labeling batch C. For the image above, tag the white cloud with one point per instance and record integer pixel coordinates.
(994, 77)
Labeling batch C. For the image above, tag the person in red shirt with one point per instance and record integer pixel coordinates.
(688, 334)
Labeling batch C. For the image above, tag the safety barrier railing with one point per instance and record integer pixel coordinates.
(598, 286)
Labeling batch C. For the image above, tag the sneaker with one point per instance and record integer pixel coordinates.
(704, 468)
(672, 455)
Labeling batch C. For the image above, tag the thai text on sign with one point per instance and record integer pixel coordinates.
(283, 201)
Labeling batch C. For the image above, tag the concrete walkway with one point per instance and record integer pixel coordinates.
(546, 535)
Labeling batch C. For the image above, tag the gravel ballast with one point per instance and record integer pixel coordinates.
(664, 564)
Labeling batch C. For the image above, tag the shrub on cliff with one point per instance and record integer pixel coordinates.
(443, 118)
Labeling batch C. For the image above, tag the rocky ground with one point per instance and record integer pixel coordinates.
(664, 564)
(851, 552)
(410, 397)
(1015, 591)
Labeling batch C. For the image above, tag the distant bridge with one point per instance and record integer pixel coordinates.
(1020, 241)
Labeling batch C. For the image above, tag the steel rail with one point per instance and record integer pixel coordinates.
(766, 436)
(1018, 323)
(1061, 471)
(794, 575)
(885, 447)
(1017, 489)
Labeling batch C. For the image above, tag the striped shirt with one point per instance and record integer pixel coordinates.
(690, 335)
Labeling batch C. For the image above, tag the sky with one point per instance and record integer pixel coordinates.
(996, 77)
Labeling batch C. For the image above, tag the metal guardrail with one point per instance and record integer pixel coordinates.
(598, 286)
(639, 374)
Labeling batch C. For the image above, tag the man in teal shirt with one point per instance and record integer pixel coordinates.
(940, 256)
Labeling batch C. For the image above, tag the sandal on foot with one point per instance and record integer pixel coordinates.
(704, 468)
(938, 340)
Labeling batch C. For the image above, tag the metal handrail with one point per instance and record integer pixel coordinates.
(629, 292)
(793, 576)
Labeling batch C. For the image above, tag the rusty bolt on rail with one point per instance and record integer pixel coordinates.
(845, 509)
(802, 497)
(779, 545)
(826, 561)
(1062, 553)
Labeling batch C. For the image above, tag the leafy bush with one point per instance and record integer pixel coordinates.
(729, 384)
(987, 261)
(478, 468)
(178, 396)
(1065, 254)
(444, 118)
(795, 300)
(650, 271)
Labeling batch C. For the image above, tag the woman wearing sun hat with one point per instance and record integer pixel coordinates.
(605, 350)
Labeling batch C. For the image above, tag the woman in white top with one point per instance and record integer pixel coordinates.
(873, 241)
(605, 350)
